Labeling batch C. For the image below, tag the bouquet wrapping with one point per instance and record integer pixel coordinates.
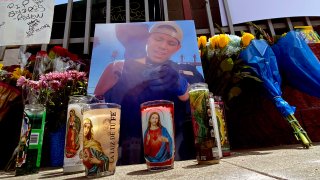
(298, 64)
(261, 58)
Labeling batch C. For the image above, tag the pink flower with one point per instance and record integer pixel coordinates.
(55, 85)
(43, 83)
(33, 84)
(21, 81)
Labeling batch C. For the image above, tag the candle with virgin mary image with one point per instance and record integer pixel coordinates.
(74, 134)
(101, 128)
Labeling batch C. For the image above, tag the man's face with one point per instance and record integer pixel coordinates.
(160, 47)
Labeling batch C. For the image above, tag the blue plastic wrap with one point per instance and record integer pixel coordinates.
(298, 64)
(261, 58)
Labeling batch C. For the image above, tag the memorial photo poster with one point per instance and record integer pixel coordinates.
(25, 21)
(108, 49)
(133, 63)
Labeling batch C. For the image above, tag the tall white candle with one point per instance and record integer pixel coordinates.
(74, 132)
(215, 125)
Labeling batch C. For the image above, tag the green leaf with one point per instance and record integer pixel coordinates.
(253, 77)
(226, 65)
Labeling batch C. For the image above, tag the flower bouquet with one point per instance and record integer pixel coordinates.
(222, 67)
(260, 57)
(58, 59)
(229, 59)
(225, 74)
(64, 60)
(8, 79)
(53, 90)
(55, 78)
(11, 105)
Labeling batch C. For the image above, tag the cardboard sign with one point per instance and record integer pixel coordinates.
(25, 21)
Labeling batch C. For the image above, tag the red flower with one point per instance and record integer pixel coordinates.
(32, 58)
(42, 53)
(60, 51)
(72, 56)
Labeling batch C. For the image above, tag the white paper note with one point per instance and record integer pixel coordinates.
(25, 21)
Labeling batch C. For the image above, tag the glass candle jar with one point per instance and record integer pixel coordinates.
(205, 141)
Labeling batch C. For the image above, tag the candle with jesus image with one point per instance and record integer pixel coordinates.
(158, 134)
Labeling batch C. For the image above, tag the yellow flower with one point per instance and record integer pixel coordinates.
(1, 65)
(213, 41)
(202, 41)
(16, 73)
(223, 40)
(246, 39)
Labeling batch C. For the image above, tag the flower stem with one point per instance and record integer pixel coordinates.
(299, 132)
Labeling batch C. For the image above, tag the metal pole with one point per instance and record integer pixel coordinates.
(2, 51)
(228, 14)
(308, 21)
(270, 25)
(127, 10)
(209, 17)
(67, 26)
(87, 28)
(146, 10)
(165, 10)
(289, 23)
(108, 11)
(44, 47)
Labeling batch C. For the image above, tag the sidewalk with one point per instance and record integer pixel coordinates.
(281, 162)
